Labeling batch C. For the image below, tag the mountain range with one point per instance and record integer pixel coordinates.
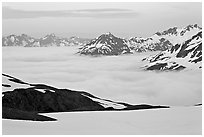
(47, 41)
(108, 44)
(180, 48)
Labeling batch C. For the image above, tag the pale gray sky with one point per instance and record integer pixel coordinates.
(91, 19)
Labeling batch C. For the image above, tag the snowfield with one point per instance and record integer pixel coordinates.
(118, 78)
(173, 121)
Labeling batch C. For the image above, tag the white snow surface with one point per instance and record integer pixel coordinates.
(5, 80)
(186, 61)
(12, 38)
(107, 104)
(173, 121)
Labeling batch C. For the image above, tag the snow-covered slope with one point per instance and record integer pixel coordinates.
(47, 41)
(106, 44)
(187, 55)
(173, 121)
(78, 41)
(164, 40)
(138, 44)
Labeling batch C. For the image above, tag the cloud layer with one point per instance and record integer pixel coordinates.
(9, 13)
(117, 78)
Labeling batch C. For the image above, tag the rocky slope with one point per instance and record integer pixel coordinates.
(16, 114)
(164, 40)
(187, 55)
(138, 44)
(27, 100)
(106, 44)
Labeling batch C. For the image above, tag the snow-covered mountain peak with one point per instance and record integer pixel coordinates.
(24, 35)
(108, 34)
(190, 29)
(74, 38)
(170, 31)
(50, 36)
(106, 44)
(194, 26)
(107, 39)
(179, 31)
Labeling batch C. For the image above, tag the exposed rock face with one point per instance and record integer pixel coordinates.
(106, 44)
(148, 44)
(200, 104)
(187, 55)
(61, 100)
(11, 113)
(162, 41)
(43, 98)
(27, 100)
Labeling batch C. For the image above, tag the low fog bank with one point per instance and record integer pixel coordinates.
(119, 78)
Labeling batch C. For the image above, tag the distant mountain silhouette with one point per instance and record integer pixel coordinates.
(49, 40)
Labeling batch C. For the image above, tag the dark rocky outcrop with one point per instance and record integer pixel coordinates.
(61, 100)
(25, 103)
(199, 104)
(11, 113)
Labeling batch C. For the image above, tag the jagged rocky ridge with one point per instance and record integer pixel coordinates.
(22, 100)
(47, 41)
(187, 55)
(108, 44)
(164, 40)
(138, 44)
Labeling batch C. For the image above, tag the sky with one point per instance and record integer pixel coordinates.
(89, 19)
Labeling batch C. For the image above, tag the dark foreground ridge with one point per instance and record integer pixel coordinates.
(200, 104)
(11, 113)
(23, 101)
